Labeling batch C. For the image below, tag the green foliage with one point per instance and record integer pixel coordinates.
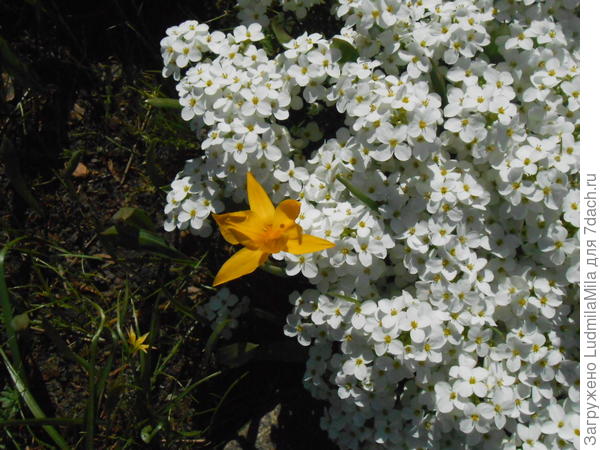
(9, 403)
(120, 383)
(368, 201)
(160, 102)
(438, 82)
(79, 276)
(132, 228)
(348, 51)
(278, 30)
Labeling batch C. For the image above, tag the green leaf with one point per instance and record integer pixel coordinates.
(344, 297)
(162, 362)
(110, 232)
(131, 230)
(273, 269)
(133, 216)
(491, 50)
(20, 322)
(368, 201)
(438, 82)
(156, 244)
(212, 339)
(148, 432)
(278, 31)
(269, 46)
(161, 102)
(348, 51)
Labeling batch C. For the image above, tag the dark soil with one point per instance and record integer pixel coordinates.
(74, 99)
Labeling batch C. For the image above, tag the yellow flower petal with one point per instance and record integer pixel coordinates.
(294, 233)
(132, 336)
(241, 263)
(259, 201)
(285, 214)
(263, 230)
(226, 220)
(250, 232)
(307, 244)
(138, 342)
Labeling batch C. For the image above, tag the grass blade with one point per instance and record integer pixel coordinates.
(63, 421)
(63, 347)
(160, 366)
(212, 340)
(188, 389)
(7, 310)
(225, 395)
(102, 378)
(159, 102)
(32, 403)
(90, 416)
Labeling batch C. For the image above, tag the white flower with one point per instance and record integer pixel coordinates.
(472, 380)
(570, 207)
(252, 33)
(301, 330)
(503, 404)
(503, 107)
(303, 264)
(558, 423)
(476, 418)
(295, 176)
(360, 312)
(423, 124)
(449, 295)
(521, 38)
(530, 436)
(571, 88)
(415, 320)
(447, 398)
(557, 244)
(256, 102)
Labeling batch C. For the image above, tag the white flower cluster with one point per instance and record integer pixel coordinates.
(221, 307)
(445, 317)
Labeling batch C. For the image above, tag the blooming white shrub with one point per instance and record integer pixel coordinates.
(446, 315)
(224, 307)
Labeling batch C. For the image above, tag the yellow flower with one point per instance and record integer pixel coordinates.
(263, 230)
(137, 343)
